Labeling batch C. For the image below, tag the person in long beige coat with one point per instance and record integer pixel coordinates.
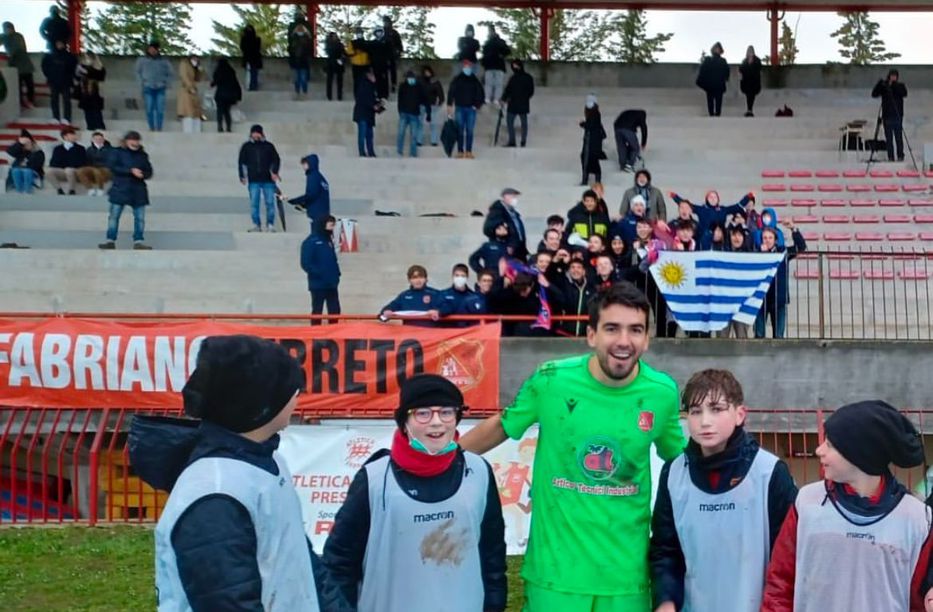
(189, 101)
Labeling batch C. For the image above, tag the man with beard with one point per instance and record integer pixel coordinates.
(598, 415)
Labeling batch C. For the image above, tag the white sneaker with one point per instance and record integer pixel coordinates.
(92, 192)
(253, 229)
(270, 229)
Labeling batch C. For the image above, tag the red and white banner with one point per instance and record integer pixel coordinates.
(351, 368)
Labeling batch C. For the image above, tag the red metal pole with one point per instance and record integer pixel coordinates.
(544, 44)
(774, 19)
(311, 10)
(74, 21)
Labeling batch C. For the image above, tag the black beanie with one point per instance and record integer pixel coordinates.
(241, 382)
(256, 129)
(873, 434)
(424, 390)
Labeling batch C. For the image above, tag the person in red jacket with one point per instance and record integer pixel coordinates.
(857, 541)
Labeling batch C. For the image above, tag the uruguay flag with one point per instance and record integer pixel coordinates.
(705, 290)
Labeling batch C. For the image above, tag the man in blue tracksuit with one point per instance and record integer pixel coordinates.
(459, 299)
(319, 261)
(487, 256)
(418, 298)
(316, 200)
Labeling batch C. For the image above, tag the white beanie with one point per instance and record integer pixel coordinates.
(590, 100)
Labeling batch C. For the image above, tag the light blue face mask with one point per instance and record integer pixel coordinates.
(411, 81)
(468, 71)
(421, 448)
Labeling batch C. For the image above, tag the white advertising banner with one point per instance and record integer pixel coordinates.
(323, 460)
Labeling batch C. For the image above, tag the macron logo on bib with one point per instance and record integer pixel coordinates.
(717, 507)
(436, 516)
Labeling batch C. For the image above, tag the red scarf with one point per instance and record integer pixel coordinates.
(416, 462)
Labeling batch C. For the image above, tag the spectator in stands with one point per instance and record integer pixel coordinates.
(711, 212)
(712, 78)
(18, 58)
(130, 167)
(316, 199)
(27, 167)
(484, 283)
(336, 56)
(454, 547)
(189, 110)
(550, 242)
(258, 166)
(556, 222)
(300, 52)
(521, 298)
(778, 296)
(396, 48)
(605, 273)
(380, 57)
(595, 246)
(627, 225)
(494, 53)
(576, 290)
(892, 93)
(738, 240)
(586, 219)
(685, 236)
(319, 261)
(231, 533)
(467, 46)
(251, 50)
(366, 105)
(67, 158)
(488, 255)
(433, 112)
(714, 239)
(750, 85)
(769, 218)
(418, 298)
(517, 95)
(645, 281)
(459, 299)
(626, 125)
(154, 73)
(91, 73)
(738, 243)
(412, 98)
(656, 208)
(55, 29)
(505, 211)
(593, 136)
(227, 93)
(621, 256)
(359, 58)
(541, 261)
(96, 174)
(59, 66)
(299, 20)
(464, 98)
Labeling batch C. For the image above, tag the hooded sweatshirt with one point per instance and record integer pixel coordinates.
(773, 224)
(585, 222)
(656, 207)
(319, 258)
(317, 189)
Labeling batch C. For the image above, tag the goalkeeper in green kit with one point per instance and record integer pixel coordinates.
(598, 415)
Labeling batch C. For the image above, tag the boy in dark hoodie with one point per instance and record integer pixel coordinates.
(711, 211)
(857, 540)
(231, 534)
(319, 261)
(488, 255)
(725, 496)
(316, 200)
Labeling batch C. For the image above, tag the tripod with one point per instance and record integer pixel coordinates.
(878, 122)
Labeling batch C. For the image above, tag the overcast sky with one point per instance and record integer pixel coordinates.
(906, 33)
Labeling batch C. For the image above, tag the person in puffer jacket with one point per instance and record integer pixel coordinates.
(587, 218)
(231, 535)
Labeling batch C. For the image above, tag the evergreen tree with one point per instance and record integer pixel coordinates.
(787, 54)
(126, 28)
(344, 19)
(574, 35)
(416, 29)
(271, 23)
(630, 42)
(858, 40)
(520, 28)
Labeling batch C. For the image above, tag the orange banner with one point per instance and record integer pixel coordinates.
(350, 367)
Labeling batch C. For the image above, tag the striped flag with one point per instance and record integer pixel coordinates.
(705, 290)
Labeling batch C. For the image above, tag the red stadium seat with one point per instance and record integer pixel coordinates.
(911, 273)
(772, 174)
(887, 188)
(865, 219)
(863, 203)
(774, 202)
(879, 274)
(835, 218)
(920, 202)
(803, 202)
(827, 173)
(774, 187)
(837, 236)
(880, 174)
(830, 188)
(858, 188)
(923, 218)
(844, 274)
(869, 236)
(902, 236)
(928, 174)
(806, 219)
(802, 188)
(897, 219)
(800, 174)
(839, 256)
(915, 188)
(811, 236)
(854, 173)
(908, 174)
(807, 274)
(833, 202)
(891, 202)
(926, 236)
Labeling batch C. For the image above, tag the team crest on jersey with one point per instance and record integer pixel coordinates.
(426, 299)
(599, 458)
(646, 420)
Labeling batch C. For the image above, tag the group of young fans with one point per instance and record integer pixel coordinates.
(422, 528)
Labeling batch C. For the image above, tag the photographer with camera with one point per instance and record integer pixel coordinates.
(892, 93)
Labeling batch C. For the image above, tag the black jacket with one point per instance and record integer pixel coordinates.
(62, 158)
(411, 98)
(506, 301)
(467, 47)
(575, 299)
(518, 92)
(99, 157)
(633, 120)
(228, 86)
(713, 74)
(59, 66)
(668, 567)
(22, 158)
(487, 256)
(394, 41)
(251, 48)
(465, 91)
(587, 223)
(336, 54)
(258, 161)
(126, 188)
(751, 76)
(380, 55)
(365, 100)
(319, 258)
(779, 291)
(55, 28)
(517, 238)
(494, 53)
(593, 135)
(345, 549)
(300, 51)
(435, 91)
(214, 540)
(892, 99)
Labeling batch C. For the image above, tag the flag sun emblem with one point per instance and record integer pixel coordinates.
(673, 274)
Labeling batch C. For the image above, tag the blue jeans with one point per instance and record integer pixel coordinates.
(23, 179)
(778, 314)
(364, 139)
(302, 75)
(253, 78)
(139, 222)
(437, 122)
(154, 99)
(267, 190)
(466, 121)
(411, 122)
